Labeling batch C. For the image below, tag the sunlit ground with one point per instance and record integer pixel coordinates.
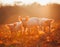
(41, 32)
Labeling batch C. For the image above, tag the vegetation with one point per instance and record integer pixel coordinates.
(47, 35)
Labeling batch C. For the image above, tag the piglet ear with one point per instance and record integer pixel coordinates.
(27, 18)
(19, 18)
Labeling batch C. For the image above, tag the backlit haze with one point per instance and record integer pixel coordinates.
(42, 2)
(29, 23)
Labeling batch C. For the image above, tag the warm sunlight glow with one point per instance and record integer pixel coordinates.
(7, 2)
(42, 2)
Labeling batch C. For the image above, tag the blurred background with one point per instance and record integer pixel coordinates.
(11, 9)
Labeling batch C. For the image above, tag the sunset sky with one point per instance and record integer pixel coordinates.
(42, 2)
